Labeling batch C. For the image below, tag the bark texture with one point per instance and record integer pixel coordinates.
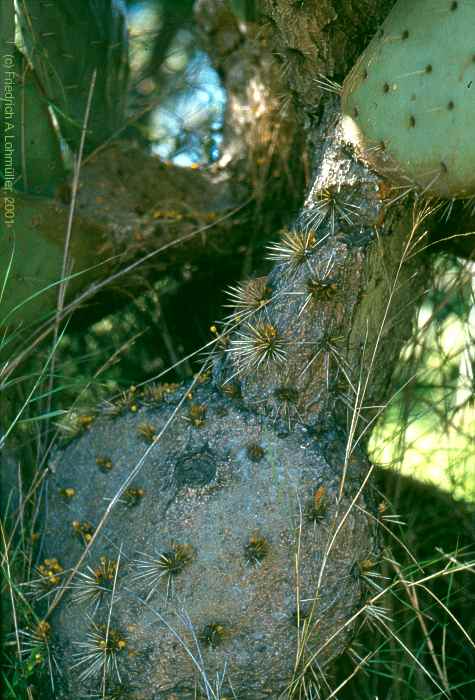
(339, 301)
(262, 466)
(215, 473)
(263, 597)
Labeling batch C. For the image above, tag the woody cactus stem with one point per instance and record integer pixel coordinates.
(240, 542)
(323, 332)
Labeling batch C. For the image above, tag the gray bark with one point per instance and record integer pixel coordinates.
(267, 455)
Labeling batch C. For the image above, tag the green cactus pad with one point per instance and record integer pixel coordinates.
(38, 160)
(409, 102)
(31, 253)
(66, 42)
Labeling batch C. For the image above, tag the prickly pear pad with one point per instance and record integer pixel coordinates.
(409, 102)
